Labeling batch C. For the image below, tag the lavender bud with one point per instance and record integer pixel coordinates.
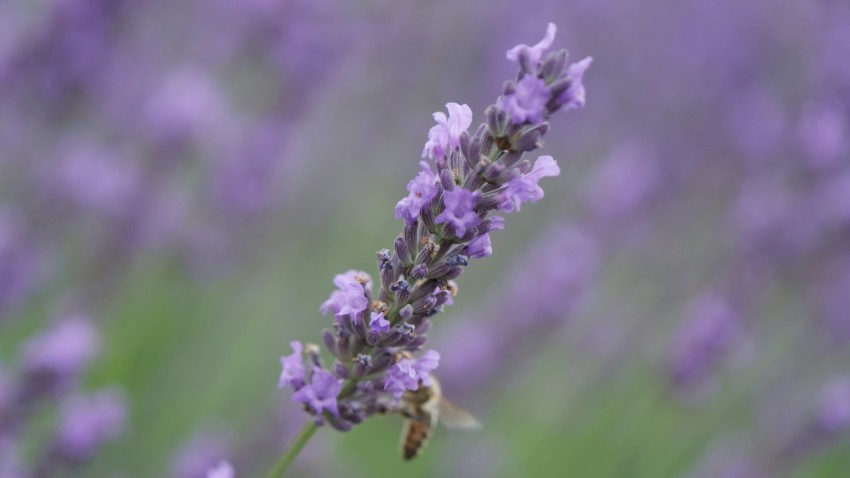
(528, 141)
(340, 370)
(359, 328)
(339, 423)
(493, 172)
(382, 362)
(487, 142)
(373, 337)
(343, 343)
(387, 276)
(419, 272)
(559, 86)
(526, 63)
(447, 180)
(411, 237)
(442, 297)
(384, 258)
(554, 65)
(491, 114)
(424, 304)
(491, 201)
(406, 312)
(427, 252)
(428, 217)
(476, 179)
(362, 364)
(402, 251)
(329, 340)
(402, 291)
(454, 273)
(418, 341)
(459, 259)
(464, 141)
(508, 87)
(424, 289)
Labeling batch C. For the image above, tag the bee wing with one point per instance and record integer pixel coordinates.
(452, 416)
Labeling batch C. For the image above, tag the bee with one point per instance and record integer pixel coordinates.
(422, 409)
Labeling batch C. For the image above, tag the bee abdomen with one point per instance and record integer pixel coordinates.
(415, 438)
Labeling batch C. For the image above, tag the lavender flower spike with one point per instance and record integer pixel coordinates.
(448, 215)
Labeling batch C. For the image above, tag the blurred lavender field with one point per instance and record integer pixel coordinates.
(181, 180)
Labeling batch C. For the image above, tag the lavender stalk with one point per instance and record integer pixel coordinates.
(447, 219)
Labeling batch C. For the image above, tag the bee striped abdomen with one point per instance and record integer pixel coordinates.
(415, 436)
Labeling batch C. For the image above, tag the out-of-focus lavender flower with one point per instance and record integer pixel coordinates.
(96, 180)
(222, 470)
(543, 289)
(293, 367)
(348, 299)
(320, 395)
(407, 373)
(20, 262)
(833, 411)
(623, 183)
(53, 359)
(445, 136)
(831, 298)
(460, 210)
(711, 328)
(525, 188)
(823, 135)
(199, 455)
(422, 189)
(88, 422)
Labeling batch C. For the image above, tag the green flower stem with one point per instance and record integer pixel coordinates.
(294, 449)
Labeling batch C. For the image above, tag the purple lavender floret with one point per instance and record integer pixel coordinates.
(378, 324)
(422, 189)
(407, 373)
(524, 188)
(293, 367)
(712, 326)
(88, 422)
(348, 299)
(460, 210)
(469, 175)
(528, 102)
(321, 393)
(445, 136)
(59, 355)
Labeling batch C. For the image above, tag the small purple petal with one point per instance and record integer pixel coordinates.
(459, 212)
(293, 367)
(445, 136)
(534, 52)
(422, 189)
(378, 323)
(528, 102)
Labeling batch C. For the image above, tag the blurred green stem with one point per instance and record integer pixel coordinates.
(294, 449)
